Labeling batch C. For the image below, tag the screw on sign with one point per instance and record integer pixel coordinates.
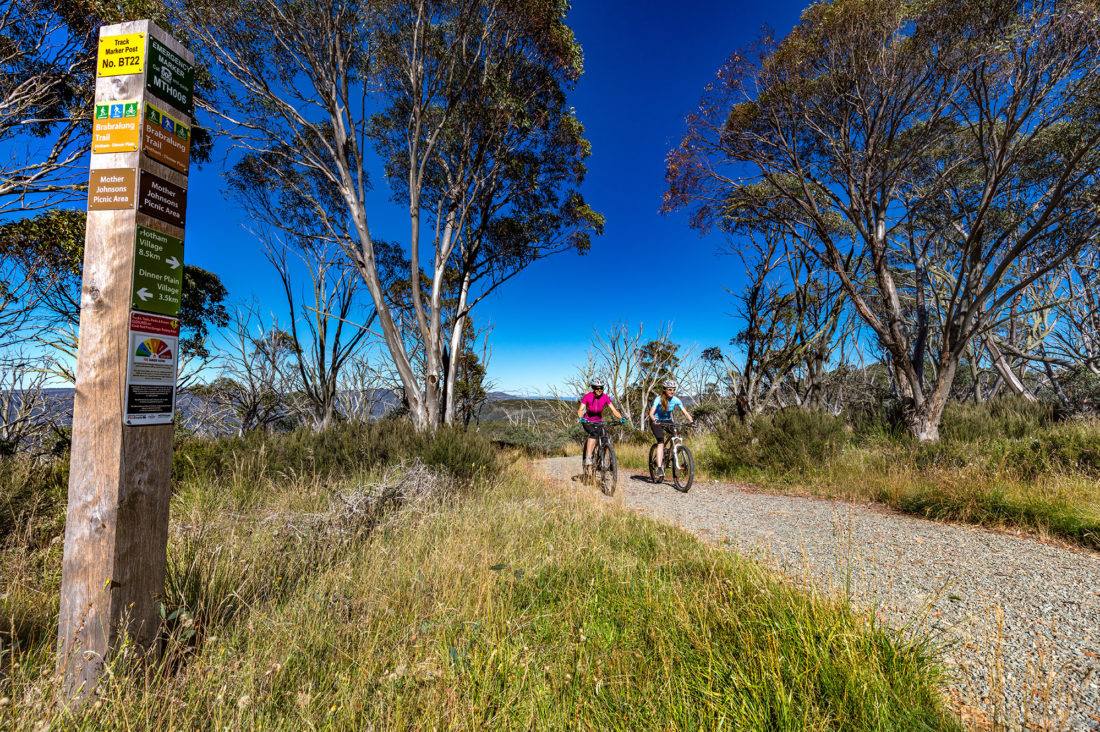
(121, 54)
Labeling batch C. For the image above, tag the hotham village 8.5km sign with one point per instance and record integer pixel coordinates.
(158, 272)
(170, 77)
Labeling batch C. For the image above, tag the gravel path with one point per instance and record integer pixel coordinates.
(1020, 619)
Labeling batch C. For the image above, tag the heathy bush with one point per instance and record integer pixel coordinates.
(538, 441)
(1003, 463)
(1002, 417)
(344, 448)
(790, 440)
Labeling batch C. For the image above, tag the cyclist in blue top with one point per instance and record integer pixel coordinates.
(660, 415)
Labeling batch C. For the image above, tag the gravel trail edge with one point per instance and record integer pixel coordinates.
(1019, 619)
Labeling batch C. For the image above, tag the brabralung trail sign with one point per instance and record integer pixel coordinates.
(116, 527)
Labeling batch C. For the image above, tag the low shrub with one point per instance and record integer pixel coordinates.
(342, 449)
(1008, 417)
(792, 439)
(1069, 448)
(32, 498)
(533, 441)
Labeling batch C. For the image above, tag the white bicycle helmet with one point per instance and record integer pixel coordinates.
(596, 383)
(668, 384)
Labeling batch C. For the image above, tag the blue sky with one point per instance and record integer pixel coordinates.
(646, 63)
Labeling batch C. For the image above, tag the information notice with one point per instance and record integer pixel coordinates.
(151, 369)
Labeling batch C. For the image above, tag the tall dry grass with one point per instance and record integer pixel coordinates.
(375, 600)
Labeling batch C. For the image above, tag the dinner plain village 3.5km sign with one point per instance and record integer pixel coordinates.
(158, 272)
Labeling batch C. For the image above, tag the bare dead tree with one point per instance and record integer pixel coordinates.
(256, 376)
(360, 392)
(324, 337)
(24, 409)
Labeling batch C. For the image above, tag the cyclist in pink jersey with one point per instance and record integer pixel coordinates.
(590, 414)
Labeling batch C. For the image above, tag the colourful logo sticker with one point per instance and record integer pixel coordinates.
(130, 110)
(152, 114)
(116, 111)
(102, 111)
(154, 348)
(167, 123)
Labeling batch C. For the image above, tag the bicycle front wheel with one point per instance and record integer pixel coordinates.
(683, 469)
(653, 464)
(609, 471)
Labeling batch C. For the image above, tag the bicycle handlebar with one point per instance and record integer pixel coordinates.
(670, 423)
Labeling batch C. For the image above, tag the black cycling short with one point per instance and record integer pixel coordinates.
(658, 428)
(592, 428)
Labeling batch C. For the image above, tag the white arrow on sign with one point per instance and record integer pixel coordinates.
(144, 294)
(172, 262)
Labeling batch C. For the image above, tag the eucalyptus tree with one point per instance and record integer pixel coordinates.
(45, 76)
(971, 124)
(459, 104)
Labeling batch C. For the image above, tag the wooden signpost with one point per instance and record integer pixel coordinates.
(116, 527)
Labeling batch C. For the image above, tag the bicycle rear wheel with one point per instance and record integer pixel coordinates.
(683, 469)
(609, 471)
(653, 463)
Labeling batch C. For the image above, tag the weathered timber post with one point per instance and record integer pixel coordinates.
(116, 527)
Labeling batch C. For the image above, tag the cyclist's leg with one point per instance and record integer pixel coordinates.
(590, 443)
(659, 434)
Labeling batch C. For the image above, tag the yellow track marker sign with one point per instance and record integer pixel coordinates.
(123, 54)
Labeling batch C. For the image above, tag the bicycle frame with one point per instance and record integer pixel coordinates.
(674, 453)
(600, 461)
(673, 441)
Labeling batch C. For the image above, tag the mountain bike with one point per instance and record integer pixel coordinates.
(676, 456)
(603, 461)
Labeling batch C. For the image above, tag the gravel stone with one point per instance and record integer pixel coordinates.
(1018, 620)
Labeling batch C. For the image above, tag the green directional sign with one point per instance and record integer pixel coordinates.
(158, 273)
